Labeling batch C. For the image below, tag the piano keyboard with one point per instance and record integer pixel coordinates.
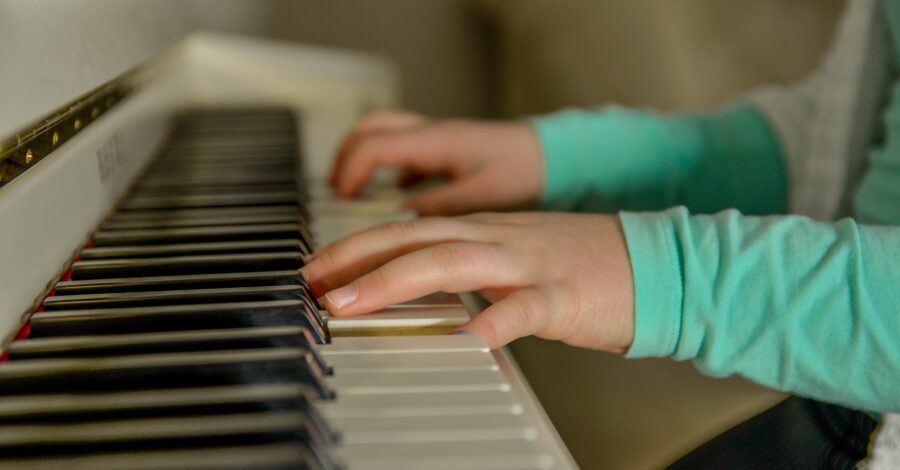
(183, 337)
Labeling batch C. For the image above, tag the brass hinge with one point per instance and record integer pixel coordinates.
(25, 149)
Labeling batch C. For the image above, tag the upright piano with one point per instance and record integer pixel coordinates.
(151, 311)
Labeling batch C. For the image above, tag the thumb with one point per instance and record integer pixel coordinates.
(522, 313)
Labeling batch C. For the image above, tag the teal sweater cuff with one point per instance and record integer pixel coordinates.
(659, 291)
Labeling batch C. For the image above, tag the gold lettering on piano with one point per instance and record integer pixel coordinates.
(109, 157)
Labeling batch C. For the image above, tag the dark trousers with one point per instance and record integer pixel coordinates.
(796, 433)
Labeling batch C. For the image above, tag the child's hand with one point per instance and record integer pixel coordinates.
(491, 166)
(558, 276)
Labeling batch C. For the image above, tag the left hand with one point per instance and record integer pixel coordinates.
(558, 276)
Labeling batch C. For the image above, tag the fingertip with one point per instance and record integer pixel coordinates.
(481, 328)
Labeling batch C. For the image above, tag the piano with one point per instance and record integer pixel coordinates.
(151, 311)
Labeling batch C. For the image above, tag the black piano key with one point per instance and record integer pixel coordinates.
(199, 189)
(163, 371)
(112, 321)
(66, 408)
(195, 264)
(166, 342)
(196, 234)
(197, 216)
(214, 200)
(192, 432)
(224, 160)
(173, 297)
(200, 213)
(173, 222)
(181, 249)
(289, 456)
(176, 180)
(188, 281)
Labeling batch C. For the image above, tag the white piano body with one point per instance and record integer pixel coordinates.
(49, 211)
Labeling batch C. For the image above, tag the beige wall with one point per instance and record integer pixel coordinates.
(689, 54)
(439, 46)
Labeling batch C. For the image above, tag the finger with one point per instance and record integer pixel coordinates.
(446, 267)
(409, 178)
(423, 149)
(461, 196)
(343, 261)
(522, 313)
(380, 121)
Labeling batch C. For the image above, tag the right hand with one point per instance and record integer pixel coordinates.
(490, 166)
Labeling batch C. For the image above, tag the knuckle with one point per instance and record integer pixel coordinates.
(400, 230)
(451, 256)
(328, 258)
(379, 279)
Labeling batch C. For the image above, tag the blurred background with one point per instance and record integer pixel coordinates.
(503, 59)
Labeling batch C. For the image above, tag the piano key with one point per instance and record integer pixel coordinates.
(196, 234)
(404, 363)
(439, 299)
(424, 429)
(187, 281)
(418, 382)
(255, 246)
(114, 321)
(257, 457)
(202, 190)
(403, 344)
(235, 140)
(173, 297)
(159, 433)
(421, 404)
(215, 200)
(194, 264)
(177, 341)
(61, 408)
(162, 215)
(222, 142)
(493, 454)
(201, 187)
(163, 371)
(402, 319)
(180, 173)
(246, 155)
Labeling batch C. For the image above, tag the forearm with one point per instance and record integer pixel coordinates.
(801, 306)
(637, 160)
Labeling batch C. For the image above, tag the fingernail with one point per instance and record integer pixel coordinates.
(343, 296)
(460, 332)
(304, 273)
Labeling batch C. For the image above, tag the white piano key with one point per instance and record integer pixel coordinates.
(405, 344)
(421, 404)
(434, 429)
(510, 454)
(418, 382)
(402, 317)
(403, 362)
(355, 208)
(438, 299)
(528, 461)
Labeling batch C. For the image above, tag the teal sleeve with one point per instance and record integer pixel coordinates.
(801, 306)
(637, 160)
